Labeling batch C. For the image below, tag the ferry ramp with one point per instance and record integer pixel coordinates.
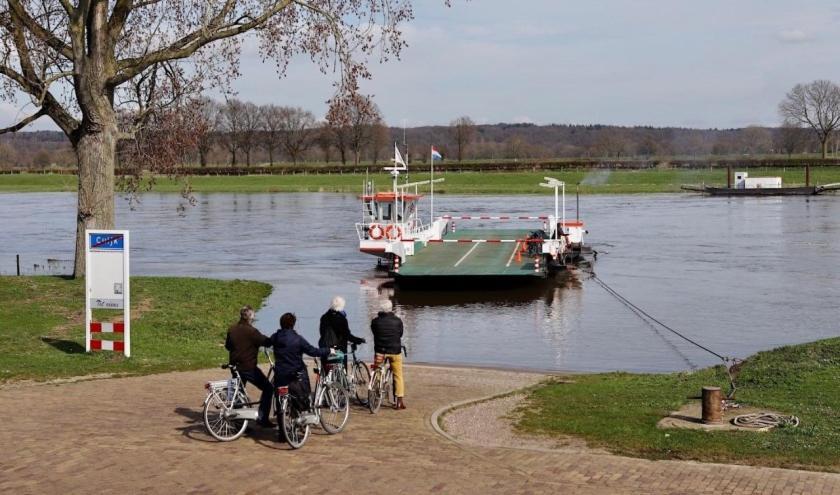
(472, 259)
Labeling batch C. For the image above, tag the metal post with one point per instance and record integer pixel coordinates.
(556, 212)
(432, 185)
(577, 205)
(729, 176)
(712, 413)
(807, 175)
(17, 256)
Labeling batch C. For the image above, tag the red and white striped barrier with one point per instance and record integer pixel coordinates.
(107, 345)
(484, 217)
(97, 327)
(465, 241)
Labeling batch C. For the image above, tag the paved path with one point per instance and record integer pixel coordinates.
(144, 435)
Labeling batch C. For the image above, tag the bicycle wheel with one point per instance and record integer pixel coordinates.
(216, 421)
(333, 408)
(375, 391)
(361, 379)
(390, 389)
(292, 430)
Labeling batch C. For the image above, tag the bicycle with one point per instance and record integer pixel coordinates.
(354, 383)
(382, 385)
(227, 408)
(330, 406)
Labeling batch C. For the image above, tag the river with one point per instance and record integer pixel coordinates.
(738, 275)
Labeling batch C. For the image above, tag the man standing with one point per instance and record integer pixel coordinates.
(334, 329)
(387, 331)
(244, 342)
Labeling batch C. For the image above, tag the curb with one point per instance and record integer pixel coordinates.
(435, 417)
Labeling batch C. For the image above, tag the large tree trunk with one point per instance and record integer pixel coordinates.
(96, 153)
(824, 147)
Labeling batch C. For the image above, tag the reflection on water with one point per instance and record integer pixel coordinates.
(737, 274)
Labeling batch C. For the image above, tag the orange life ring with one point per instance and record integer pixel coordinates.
(390, 232)
(375, 231)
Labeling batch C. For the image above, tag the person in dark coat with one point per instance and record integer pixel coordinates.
(243, 342)
(387, 331)
(335, 330)
(289, 348)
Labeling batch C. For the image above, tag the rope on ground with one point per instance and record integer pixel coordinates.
(765, 420)
(728, 362)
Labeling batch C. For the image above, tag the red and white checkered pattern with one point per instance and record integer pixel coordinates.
(107, 345)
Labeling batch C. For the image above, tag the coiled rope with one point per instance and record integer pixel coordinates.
(765, 420)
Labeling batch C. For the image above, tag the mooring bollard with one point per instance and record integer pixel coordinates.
(712, 405)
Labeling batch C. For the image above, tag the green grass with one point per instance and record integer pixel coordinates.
(591, 181)
(177, 324)
(619, 411)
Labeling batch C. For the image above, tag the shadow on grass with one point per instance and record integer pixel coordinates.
(65, 346)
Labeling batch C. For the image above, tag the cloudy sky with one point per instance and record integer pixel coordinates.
(715, 63)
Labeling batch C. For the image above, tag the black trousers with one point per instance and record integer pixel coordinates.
(258, 378)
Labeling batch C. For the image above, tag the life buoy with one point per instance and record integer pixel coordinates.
(375, 231)
(393, 232)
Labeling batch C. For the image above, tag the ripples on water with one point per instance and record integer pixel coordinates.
(739, 275)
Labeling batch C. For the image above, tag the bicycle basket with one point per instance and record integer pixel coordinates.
(338, 357)
(299, 395)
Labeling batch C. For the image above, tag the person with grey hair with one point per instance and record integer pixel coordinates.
(334, 328)
(243, 342)
(387, 331)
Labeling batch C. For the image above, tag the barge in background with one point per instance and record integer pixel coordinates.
(761, 186)
(435, 254)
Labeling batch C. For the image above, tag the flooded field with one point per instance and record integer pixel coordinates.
(738, 275)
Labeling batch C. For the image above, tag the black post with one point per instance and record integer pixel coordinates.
(807, 175)
(729, 176)
(17, 256)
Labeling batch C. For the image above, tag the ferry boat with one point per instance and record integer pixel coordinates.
(761, 186)
(430, 251)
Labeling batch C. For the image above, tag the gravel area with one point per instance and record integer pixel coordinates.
(490, 424)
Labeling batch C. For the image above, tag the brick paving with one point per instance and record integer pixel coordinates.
(144, 435)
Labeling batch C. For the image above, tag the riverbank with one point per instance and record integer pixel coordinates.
(619, 411)
(177, 324)
(601, 181)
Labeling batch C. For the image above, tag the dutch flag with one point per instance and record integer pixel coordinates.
(436, 154)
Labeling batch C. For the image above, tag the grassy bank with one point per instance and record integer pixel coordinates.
(177, 324)
(619, 411)
(591, 181)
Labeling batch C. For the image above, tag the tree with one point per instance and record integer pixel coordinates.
(324, 140)
(351, 120)
(207, 127)
(816, 105)
(297, 131)
(78, 62)
(251, 126)
(272, 119)
(231, 127)
(379, 139)
(463, 133)
(790, 138)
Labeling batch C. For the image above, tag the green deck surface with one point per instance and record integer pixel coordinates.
(470, 259)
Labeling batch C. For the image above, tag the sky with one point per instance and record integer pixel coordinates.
(680, 63)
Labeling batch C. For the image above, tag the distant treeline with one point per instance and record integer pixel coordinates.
(496, 144)
(531, 165)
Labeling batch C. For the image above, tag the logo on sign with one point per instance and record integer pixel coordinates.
(106, 242)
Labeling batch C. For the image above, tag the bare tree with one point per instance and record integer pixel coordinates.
(297, 131)
(790, 138)
(463, 133)
(77, 62)
(351, 120)
(816, 105)
(206, 127)
(272, 119)
(379, 139)
(324, 140)
(251, 126)
(231, 125)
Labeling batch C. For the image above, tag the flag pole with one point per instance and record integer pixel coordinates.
(432, 177)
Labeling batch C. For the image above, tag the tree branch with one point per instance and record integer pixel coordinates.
(189, 44)
(25, 122)
(39, 31)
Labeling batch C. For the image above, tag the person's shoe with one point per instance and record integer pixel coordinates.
(309, 419)
(400, 404)
(265, 423)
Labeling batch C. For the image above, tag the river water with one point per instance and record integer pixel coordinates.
(738, 275)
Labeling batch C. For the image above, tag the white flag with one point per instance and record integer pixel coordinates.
(398, 159)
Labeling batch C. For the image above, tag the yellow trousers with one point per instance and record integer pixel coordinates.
(396, 369)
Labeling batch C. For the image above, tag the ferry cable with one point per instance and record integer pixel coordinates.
(728, 362)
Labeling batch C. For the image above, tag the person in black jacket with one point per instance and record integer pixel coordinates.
(387, 331)
(335, 330)
(243, 342)
(289, 348)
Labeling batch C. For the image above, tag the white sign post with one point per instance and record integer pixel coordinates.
(107, 287)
